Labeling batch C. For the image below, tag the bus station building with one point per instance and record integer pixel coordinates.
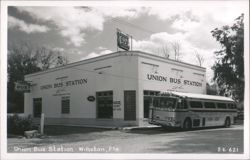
(112, 90)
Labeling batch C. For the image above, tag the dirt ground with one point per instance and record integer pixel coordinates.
(59, 139)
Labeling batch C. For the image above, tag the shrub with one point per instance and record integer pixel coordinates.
(17, 124)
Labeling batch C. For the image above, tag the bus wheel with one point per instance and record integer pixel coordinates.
(187, 125)
(227, 122)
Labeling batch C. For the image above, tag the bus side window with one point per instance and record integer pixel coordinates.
(156, 102)
(221, 105)
(162, 102)
(230, 106)
(185, 105)
(209, 105)
(195, 104)
(170, 104)
(180, 104)
(166, 102)
(234, 106)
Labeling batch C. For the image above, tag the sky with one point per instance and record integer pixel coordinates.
(82, 32)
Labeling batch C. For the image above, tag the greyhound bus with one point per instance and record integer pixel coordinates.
(187, 110)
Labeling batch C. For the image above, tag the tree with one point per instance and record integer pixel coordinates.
(199, 58)
(165, 51)
(229, 66)
(176, 48)
(24, 59)
(211, 89)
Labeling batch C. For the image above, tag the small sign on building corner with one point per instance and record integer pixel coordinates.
(22, 86)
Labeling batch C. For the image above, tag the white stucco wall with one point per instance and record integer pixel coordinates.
(119, 76)
(175, 75)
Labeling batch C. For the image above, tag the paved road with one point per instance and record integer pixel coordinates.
(153, 140)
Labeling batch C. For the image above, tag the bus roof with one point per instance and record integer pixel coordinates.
(200, 96)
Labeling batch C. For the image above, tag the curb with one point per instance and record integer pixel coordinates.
(139, 127)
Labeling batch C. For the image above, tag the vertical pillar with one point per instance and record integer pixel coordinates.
(42, 123)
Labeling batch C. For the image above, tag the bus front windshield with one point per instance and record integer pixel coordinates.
(165, 102)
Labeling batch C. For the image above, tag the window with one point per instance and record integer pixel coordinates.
(234, 106)
(156, 102)
(146, 93)
(182, 104)
(37, 107)
(129, 105)
(65, 105)
(150, 93)
(195, 104)
(104, 104)
(170, 103)
(231, 106)
(221, 105)
(164, 102)
(147, 103)
(209, 105)
(185, 104)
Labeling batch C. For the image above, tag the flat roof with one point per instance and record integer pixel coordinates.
(200, 96)
(116, 54)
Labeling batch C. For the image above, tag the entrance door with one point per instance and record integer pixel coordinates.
(37, 107)
(129, 106)
(146, 106)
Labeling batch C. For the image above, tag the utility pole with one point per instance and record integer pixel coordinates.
(131, 43)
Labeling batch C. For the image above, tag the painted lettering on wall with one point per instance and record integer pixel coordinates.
(65, 84)
(192, 83)
(175, 80)
(171, 80)
(156, 77)
(117, 106)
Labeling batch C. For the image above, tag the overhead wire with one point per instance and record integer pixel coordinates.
(133, 25)
(118, 22)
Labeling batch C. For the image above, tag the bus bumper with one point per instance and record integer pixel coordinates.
(165, 123)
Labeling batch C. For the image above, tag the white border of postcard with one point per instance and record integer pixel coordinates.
(3, 109)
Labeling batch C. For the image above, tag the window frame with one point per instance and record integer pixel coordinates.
(67, 109)
(217, 104)
(190, 104)
(231, 106)
(104, 96)
(165, 100)
(204, 103)
(36, 113)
